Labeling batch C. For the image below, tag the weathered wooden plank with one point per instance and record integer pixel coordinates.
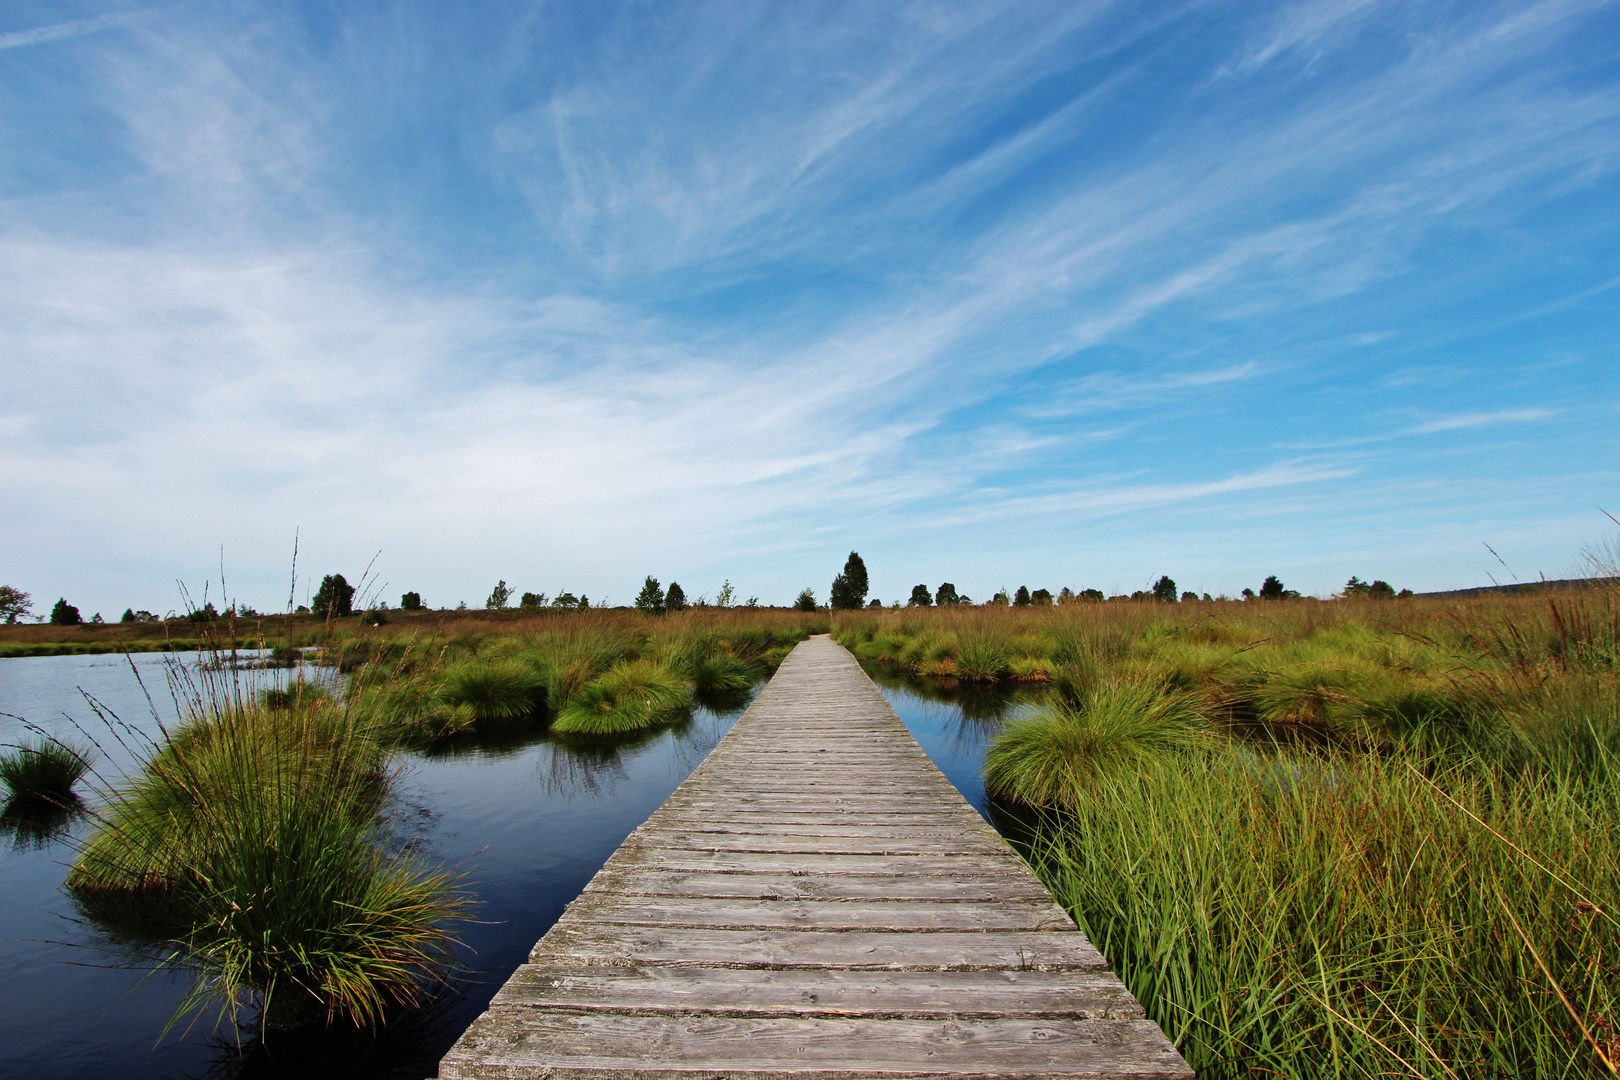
(815, 864)
(601, 909)
(649, 989)
(971, 888)
(864, 845)
(592, 1045)
(849, 949)
(883, 832)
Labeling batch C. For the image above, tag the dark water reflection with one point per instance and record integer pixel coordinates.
(528, 818)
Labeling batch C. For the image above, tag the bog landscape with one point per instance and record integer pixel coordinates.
(1368, 834)
(810, 540)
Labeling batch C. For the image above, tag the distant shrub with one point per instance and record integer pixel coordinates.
(65, 614)
(806, 600)
(411, 601)
(920, 597)
(675, 597)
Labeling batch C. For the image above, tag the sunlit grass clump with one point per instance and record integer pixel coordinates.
(1053, 757)
(628, 697)
(251, 838)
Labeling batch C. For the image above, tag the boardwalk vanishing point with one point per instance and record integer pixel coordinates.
(815, 902)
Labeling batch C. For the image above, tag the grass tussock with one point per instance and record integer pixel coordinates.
(250, 838)
(43, 770)
(1053, 757)
(628, 697)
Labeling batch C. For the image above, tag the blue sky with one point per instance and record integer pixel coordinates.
(1002, 293)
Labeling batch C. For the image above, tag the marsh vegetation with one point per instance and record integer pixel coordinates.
(1357, 838)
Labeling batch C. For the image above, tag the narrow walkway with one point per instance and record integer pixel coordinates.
(815, 901)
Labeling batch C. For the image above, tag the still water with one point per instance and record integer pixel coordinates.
(526, 819)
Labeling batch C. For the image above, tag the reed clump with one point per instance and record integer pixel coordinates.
(250, 838)
(43, 770)
(630, 696)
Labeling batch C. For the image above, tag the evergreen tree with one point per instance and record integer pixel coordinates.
(334, 599)
(849, 588)
(1001, 599)
(1092, 596)
(806, 600)
(1041, 598)
(1271, 588)
(532, 601)
(64, 614)
(675, 597)
(1381, 590)
(1164, 590)
(1021, 597)
(411, 601)
(129, 615)
(920, 597)
(651, 597)
(945, 595)
(499, 596)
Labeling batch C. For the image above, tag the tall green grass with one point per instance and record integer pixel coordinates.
(1312, 915)
(43, 769)
(249, 840)
(1331, 840)
(630, 696)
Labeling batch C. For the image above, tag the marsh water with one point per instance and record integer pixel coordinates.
(525, 818)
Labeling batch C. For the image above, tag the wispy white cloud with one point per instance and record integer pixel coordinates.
(1473, 420)
(39, 35)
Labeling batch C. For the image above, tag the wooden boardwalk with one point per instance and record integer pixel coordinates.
(815, 902)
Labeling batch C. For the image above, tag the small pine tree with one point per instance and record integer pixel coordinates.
(411, 601)
(1272, 588)
(806, 600)
(1164, 590)
(531, 601)
(499, 596)
(1381, 590)
(849, 588)
(651, 597)
(64, 614)
(675, 597)
(128, 616)
(1092, 596)
(1021, 597)
(1189, 597)
(945, 595)
(1000, 599)
(920, 597)
(1041, 598)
